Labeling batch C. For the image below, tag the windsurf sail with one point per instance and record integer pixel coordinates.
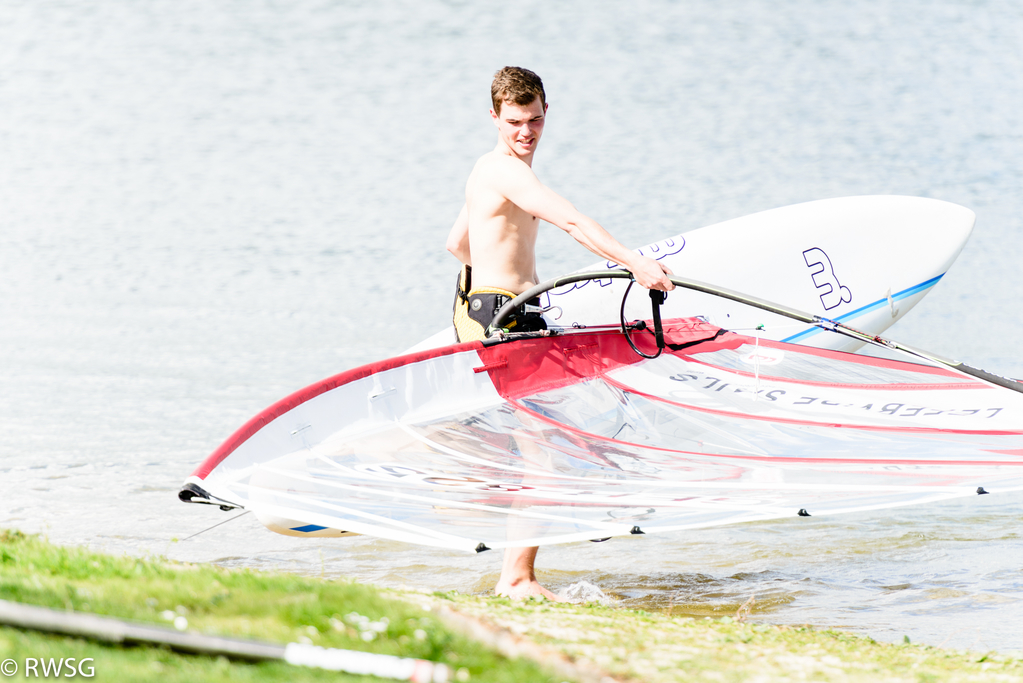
(575, 436)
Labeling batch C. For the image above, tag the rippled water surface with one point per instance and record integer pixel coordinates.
(207, 205)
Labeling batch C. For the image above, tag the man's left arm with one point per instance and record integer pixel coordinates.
(524, 190)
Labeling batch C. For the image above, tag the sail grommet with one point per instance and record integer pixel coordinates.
(636, 530)
(803, 513)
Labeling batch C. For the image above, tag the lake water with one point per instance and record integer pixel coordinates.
(205, 205)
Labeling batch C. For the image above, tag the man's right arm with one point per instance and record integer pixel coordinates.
(458, 238)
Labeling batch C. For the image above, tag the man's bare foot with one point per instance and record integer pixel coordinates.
(524, 590)
(518, 579)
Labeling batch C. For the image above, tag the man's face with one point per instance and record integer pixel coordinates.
(520, 127)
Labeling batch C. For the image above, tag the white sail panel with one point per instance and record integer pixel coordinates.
(576, 437)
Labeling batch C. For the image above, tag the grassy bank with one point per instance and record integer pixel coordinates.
(579, 642)
(658, 648)
(280, 608)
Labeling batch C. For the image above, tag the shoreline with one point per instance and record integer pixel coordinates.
(478, 638)
(635, 645)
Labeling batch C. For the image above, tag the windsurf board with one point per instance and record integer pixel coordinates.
(865, 261)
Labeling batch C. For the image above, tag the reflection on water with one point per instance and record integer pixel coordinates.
(206, 206)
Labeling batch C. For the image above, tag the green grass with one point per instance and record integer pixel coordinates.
(275, 607)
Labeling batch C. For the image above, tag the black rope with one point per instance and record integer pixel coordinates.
(656, 299)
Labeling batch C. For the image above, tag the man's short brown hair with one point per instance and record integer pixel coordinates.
(516, 85)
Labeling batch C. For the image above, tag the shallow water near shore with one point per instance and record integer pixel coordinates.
(206, 206)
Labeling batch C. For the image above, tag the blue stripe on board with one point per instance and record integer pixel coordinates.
(916, 289)
(308, 528)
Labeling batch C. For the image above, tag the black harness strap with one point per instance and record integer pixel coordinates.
(463, 294)
(657, 298)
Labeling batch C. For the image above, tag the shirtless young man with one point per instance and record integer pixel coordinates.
(495, 239)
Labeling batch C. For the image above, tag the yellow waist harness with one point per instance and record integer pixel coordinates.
(475, 308)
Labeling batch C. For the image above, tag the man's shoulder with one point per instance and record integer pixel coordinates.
(494, 167)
